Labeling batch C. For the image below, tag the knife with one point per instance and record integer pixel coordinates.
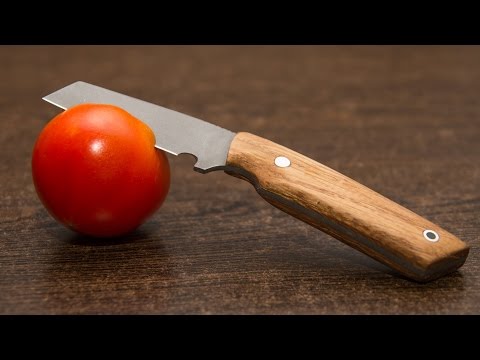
(296, 184)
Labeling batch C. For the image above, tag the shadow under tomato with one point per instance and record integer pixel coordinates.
(71, 237)
(80, 239)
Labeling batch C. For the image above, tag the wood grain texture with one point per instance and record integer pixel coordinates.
(404, 121)
(345, 209)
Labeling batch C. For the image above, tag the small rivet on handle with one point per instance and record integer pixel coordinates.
(431, 235)
(282, 161)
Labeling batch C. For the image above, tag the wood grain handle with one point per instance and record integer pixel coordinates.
(345, 209)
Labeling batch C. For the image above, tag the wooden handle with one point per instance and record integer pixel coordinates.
(345, 209)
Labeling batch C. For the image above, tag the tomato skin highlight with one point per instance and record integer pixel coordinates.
(96, 170)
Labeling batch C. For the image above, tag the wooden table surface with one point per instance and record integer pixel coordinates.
(404, 121)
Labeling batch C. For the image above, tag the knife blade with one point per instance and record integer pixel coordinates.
(296, 184)
(175, 133)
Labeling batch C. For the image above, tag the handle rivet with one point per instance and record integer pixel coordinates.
(431, 235)
(282, 161)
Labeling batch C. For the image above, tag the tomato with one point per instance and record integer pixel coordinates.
(96, 170)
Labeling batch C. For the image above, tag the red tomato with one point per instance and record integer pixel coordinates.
(96, 170)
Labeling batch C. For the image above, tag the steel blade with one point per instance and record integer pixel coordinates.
(175, 132)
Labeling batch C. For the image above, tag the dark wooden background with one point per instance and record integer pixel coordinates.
(402, 120)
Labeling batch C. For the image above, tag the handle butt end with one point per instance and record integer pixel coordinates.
(442, 266)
